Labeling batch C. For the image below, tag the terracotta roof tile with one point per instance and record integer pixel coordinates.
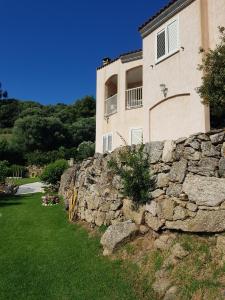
(157, 14)
(119, 57)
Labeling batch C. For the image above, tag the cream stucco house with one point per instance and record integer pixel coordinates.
(150, 94)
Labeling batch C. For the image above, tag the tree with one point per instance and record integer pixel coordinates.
(82, 131)
(9, 112)
(39, 133)
(3, 94)
(86, 107)
(212, 90)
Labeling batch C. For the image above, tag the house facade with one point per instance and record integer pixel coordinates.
(150, 94)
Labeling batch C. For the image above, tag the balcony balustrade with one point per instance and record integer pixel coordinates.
(111, 105)
(134, 98)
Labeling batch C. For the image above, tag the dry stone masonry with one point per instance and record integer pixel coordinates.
(189, 194)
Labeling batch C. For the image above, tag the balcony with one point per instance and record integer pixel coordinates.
(111, 105)
(134, 98)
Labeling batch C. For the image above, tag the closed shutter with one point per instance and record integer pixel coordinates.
(110, 142)
(136, 136)
(161, 44)
(104, 143)
(172, 37)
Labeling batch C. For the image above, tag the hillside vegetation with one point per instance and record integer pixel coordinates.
(32, 133)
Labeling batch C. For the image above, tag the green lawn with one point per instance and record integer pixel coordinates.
(42, 256)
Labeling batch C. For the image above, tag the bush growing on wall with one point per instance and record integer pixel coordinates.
(53, 172)
(212, 90)
(133, 167)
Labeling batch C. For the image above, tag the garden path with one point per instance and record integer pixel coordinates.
(30, 188)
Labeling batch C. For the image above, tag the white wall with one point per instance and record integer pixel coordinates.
(124, 119)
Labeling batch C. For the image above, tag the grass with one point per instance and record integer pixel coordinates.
(199, 273)
(22, 181)
(42, 256)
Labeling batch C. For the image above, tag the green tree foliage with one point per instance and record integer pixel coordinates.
(133, 167)
(85, 107)
(11, 152)
(53, 172)
(4, 170)
(39, 133)
(9, 112)
(212, 90)
(85, 150)
(83, 130)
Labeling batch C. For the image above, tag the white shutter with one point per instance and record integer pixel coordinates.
(161, 44)
(136, 136)
(109, 142)
(172, 37)
(104, 143)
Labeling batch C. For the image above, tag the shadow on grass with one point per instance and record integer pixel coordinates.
(9, 201)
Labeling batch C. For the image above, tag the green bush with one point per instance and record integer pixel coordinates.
(212, 90)
(53, 172)
(85, 150)
(133, 167)
(4, 171)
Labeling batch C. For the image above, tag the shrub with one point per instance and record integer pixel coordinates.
(85, 150)
(4, 170)
(133, 167)
(212, 90)
(53, 172)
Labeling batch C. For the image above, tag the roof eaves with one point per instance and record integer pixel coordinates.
(125, 57)
(173, 7)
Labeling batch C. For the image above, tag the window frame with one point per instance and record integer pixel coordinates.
(165, 28)
(130, 134)
(106, 135)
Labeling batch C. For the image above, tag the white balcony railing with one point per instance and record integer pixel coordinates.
(111, 105)
(134, 98)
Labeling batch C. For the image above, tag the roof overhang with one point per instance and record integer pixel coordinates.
(163, 16)
(131, 56)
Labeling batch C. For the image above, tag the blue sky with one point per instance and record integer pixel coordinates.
(50, 49)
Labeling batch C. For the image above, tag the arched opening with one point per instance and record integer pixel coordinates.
(111, 90)
(134, 83)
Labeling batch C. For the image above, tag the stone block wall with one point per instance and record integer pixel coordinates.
(189, 194)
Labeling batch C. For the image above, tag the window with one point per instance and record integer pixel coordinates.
(107, 142)
(136, 136)
(161, 44)
(167, 40)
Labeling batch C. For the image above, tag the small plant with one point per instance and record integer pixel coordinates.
(50, 200)
(53, 172)
(102, 228)
(133, 167)
(212, 90)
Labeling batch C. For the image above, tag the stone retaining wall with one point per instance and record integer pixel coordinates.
(189, 194)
